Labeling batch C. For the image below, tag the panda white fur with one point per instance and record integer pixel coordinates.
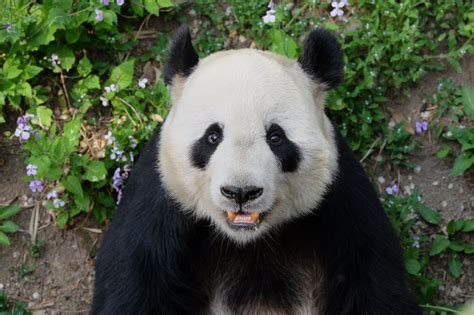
(248, 201)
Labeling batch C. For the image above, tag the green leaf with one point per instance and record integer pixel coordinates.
(83, 202)
(443, 152)
(468, 101)
(73, 185)
(152, 7)
(122, 75)
(8, 227)
(165, 3)
(455, 267)
(71, 133)
(439, 245)
(468, 225)
(61, 219)
(95, 171)
(412, 266)
(8, 211)
(44, 115)
(455, 226)
(45, 36)
(31, 71)
(11, 69)
(429, 215)
(457, 246)
(463, 162)
(84, 67)
(66, 57)
(4, 239)
(24, 89)
(137, 7)
(283, 44)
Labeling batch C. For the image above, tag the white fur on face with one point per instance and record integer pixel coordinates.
(245, 91)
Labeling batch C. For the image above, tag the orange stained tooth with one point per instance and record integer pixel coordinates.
(231, 215)
(254, 216)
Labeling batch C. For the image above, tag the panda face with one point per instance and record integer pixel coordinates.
(246, 143)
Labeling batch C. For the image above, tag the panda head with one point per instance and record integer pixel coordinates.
(247, 144)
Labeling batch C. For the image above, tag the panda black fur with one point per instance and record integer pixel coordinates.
(162, 256)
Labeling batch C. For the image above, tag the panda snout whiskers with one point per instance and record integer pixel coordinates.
(241, 195)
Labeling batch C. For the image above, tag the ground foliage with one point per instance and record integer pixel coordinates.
(87, 91)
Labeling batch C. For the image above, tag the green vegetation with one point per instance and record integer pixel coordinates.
(8, 307)
(7, 226)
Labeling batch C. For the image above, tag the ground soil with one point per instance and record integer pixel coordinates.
(63, 277)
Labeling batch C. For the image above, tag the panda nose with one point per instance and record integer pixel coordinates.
(241, 194)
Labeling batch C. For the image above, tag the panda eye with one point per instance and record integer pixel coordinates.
(276, 137)
(214, 137)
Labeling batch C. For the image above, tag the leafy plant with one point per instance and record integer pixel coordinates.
(7, 226)
(457, 103)
(419, 249)
(11, 308)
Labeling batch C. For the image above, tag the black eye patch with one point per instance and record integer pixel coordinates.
(286, 151)
(204, 147)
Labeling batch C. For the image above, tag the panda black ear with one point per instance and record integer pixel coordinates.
(182, 58)
(322, 58)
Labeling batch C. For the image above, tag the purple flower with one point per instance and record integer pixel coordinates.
(421, 126)
(416, 242)
(106, 2)
(270, 16)
(111, 88)
(344, 2)
(120, 2)
(99, 15)
(110, 138)
(133, 142)
(104, 100)
(58, 203)
(119, 180)
(23, 128)
(337, 11)
(31, 169)
(36, 185)
(55, 60)
(116, 154)
(52, 195)
(392, 190)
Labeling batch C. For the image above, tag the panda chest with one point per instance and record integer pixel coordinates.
(272, 289)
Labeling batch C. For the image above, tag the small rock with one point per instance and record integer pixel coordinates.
(381, 179)
(461, 190)
(410, 178)
(192, 12)
(242, 39)
(16, 254)
(450, 186)
(2, 286)
(444, 203)
(435, 183)
(35, 296)
(417, 169)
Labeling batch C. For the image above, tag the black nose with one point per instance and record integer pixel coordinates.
(241, 194)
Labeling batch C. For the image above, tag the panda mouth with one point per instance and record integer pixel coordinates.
(244, 220)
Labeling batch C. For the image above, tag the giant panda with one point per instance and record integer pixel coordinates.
(247, 200)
